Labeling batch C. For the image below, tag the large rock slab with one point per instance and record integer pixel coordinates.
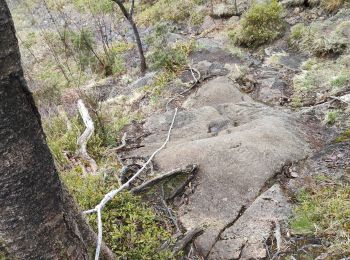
(244, 239)
(239, 145)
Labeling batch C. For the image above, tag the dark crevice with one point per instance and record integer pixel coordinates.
(230, 224)
(240, 253)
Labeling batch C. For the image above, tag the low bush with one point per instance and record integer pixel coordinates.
(262, 23)
(167, 56)
(311, 40)
(171, 11)
(131, 228)
(319, 78)
(324, 213)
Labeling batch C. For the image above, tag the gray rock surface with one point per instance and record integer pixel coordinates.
(239, 145)
(244, 238)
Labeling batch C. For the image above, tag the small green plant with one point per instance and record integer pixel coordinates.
(332, 117)
(313, 40)
(131, 228)
(325, 213)
(114, 62)
(262, 23)
(30, 40)
(340, 81)
(343, 137)
(171, 57)
(320, 76)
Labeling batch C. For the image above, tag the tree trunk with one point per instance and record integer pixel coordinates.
(143, 65)
(38, 218)
(128, 16)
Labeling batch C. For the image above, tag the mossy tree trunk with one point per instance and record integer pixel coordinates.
(38, 218)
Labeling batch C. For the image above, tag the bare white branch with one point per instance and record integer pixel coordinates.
(84, 138)
(110, 195)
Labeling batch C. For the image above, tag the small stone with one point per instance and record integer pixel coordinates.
(296, 10)
(294, 175)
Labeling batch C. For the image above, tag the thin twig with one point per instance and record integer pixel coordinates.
(110, 195)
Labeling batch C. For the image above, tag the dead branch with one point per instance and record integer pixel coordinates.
(181, 188)
(84, 138)
(169, 210)
(188, 237)
(110, 195)
(190, 85)
(146, 185)
(278, 238)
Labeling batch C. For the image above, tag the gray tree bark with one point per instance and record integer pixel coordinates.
(38, 218)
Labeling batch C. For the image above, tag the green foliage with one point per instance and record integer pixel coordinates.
(171, 11)
(311, 40)
(321, 76)
(30, 40)
(332, 116)
(114, 62)
(130, 228)
(262, 23)
(171, 57)
(325, 212)
(94, 7)
(63, 141)
(343, 137)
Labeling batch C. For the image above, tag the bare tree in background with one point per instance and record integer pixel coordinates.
(129, 16)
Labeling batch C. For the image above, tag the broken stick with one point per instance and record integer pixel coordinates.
(84, 138)
(188, 238)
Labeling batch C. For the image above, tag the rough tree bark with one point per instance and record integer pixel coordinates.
(38, 218)
(129, 16)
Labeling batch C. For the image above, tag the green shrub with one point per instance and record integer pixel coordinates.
(114, 62)
(166, 56)
(262, 23)
(332, 117)
(311, 40)
(171, 11)
(130, 228)
(95, 7)
(63, 141)
(320, 76)
(325, 213)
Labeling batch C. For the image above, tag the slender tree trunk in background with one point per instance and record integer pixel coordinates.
(129, 17)
(38, 218)
(143, 65)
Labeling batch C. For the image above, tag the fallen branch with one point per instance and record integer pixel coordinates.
(182, 187)
(188, 237)
(278, 238)
(84, 138)
(110, 195)
(146, 185)
(190, 85)
(169, 210)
